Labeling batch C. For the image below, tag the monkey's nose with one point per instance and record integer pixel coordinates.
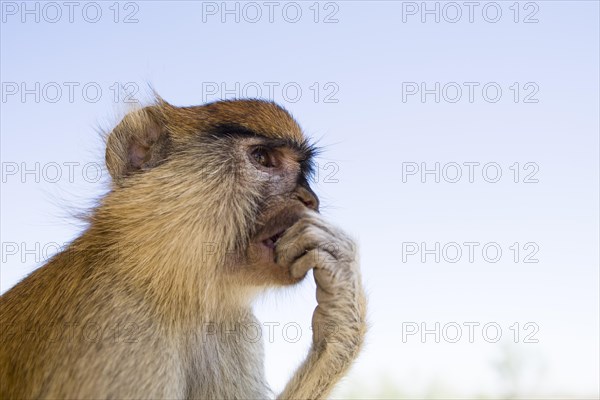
(308, 197)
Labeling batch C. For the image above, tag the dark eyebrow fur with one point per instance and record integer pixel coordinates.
(306, 150)
(224, 130)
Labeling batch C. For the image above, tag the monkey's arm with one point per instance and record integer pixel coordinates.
(338, 321)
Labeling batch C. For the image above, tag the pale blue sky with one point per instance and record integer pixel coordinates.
(360, 64)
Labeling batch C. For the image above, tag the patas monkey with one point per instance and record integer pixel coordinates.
(209, 205)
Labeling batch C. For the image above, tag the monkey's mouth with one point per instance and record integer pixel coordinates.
(276, 227)
(271, 242)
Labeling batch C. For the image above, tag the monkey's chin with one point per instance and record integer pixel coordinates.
(262, 249)
(263, 268)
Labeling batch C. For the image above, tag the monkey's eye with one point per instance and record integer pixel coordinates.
(263, 157)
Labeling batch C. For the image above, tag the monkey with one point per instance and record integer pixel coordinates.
(208, 207)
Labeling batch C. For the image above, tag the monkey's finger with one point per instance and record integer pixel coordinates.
(327, 284)
(311, 218)
(334, 239)
(314, 258)
(303, 264)
(287, 254)
(289, 249)
(335, 277)
(317, 219)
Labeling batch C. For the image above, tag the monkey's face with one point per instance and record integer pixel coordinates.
(233, 174)
(279, 172)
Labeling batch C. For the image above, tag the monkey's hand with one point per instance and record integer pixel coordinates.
(338, 321)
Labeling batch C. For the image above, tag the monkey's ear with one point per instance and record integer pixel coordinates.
(139, 142)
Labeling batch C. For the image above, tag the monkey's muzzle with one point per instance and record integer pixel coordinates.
(272, 241)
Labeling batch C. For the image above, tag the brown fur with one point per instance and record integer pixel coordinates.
(134, 307)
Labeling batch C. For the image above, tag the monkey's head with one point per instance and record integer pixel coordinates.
(213, 186)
